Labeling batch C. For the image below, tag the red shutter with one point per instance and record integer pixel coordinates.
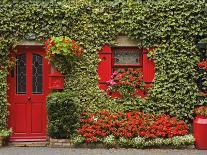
(148, 68)
(104, 66)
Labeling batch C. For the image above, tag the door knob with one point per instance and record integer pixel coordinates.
(29, 98)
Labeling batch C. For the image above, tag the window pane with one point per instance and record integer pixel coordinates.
(36, 74)
(21, 74)
(126, 56)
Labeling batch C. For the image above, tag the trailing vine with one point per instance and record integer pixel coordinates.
(169, 25)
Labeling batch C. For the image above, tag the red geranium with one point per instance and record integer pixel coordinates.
(126, 81)
(130, 125)
(203, 64)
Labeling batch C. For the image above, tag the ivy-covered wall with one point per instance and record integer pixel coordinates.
(171, 26)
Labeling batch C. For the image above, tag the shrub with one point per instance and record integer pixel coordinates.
(129, 125)
(63, 115)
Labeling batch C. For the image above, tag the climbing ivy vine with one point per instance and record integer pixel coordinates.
(171, 26)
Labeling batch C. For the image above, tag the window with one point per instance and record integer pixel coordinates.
(21, 74)
(125, 57)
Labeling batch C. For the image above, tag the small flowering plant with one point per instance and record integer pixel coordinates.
(126, 81)
(201, 111)
(63, 46)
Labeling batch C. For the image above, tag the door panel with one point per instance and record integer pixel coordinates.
(20, 115)
(28, 88)
(36, 116)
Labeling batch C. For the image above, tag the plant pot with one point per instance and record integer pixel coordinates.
(1, 141)
(200, 132)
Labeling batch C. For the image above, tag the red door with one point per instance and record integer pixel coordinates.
(28, 88)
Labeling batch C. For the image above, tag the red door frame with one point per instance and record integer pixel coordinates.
(34, 104)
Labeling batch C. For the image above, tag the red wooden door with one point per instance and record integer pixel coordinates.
(28, 88)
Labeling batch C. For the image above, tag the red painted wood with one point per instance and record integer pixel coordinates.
(104, 67)
(56, 81)
(28, 117)
(148, 67)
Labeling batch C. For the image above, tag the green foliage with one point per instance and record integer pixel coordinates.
(169, 25)
(204, 40)
(63, 115)
(3, 98)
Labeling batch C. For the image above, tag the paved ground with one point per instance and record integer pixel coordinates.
(81, 151)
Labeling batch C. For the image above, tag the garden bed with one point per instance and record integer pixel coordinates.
(134, 129)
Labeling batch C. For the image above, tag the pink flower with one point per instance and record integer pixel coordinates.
(114, 74)
(111, 82)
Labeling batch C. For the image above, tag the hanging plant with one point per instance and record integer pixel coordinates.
(62, 51)
(126, 82)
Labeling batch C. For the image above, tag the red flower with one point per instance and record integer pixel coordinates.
(129, 125)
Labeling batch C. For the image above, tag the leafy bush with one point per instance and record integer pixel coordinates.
(63, 115)
(129, 125)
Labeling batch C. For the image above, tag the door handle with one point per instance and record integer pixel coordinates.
(29, 98)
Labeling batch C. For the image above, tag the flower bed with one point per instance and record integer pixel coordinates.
(131, 129)
(134, 129)
(129, 125)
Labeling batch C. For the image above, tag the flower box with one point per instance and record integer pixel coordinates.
(1, 141)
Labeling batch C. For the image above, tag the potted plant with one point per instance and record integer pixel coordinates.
(200, 127)
(3, 135)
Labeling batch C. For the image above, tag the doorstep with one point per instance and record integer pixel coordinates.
(29, 144)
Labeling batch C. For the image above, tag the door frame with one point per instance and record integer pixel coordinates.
(47, 67)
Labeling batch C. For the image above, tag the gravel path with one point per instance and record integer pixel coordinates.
(81, 151)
